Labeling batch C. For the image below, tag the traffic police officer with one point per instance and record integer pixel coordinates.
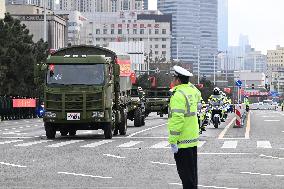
(183, 127)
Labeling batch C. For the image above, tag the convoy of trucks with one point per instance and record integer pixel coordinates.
(89, 88)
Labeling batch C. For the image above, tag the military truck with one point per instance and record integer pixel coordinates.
(136, 110)
(87, 88)
(157, 100)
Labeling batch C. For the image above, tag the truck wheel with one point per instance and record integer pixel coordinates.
(143, 120)
(72, 132)
(108, 131)
(123, 124)
(63, 132)
(161, 115)
(50, 130)
(137, 117)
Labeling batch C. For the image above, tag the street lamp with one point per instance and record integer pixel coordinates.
(177, 49)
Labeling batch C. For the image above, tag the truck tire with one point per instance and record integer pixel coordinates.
(143, 121)
(123, 124)
(64, 132)
(72, 132)
(137, 117)
(108, 131)
(50, 130)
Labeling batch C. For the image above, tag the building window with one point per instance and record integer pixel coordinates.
(164, 52)
(105, 31)
(156, 39)
(112, 31)
(97, 39)
(134, 31)
(128, 32)
(150, 31)
(119, 31)
(141, 39)
(156, 31)
(98, 31)
(156, 46)
(141, 31)
(164, 39)
(164, 46)
(164, 31)
(156, 52)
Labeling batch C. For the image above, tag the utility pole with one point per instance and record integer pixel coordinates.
(44, 22)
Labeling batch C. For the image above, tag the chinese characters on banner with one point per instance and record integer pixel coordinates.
(24, 103)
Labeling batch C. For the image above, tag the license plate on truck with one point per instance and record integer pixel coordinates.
(73, 116)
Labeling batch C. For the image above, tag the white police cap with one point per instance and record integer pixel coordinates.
(181, 71)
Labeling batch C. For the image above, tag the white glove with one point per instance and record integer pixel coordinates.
(174, 148)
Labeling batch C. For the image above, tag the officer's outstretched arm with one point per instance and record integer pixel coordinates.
(176, 120)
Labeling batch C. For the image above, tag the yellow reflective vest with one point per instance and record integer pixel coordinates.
(183, 125)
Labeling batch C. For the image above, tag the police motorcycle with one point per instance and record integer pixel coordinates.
(216, 107)
(203, 119)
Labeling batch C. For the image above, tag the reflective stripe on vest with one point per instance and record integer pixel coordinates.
(175, 133)
(188, 113)
(188, 141)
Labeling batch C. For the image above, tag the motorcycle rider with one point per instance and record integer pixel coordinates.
(216, 100)
(246, 102)
(202, 115)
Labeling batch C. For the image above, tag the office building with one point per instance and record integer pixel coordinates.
(194, 32)
(33, 18)
(223, 25)
(145, 5)
(129, 26)
(50, 4)
(92, 6)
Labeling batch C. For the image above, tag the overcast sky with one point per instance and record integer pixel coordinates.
(261, 20)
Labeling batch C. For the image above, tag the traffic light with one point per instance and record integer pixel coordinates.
(252, 86)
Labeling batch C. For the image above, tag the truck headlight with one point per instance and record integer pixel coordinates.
(98, 114)
(50, 114)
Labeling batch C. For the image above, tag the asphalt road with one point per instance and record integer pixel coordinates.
(248, 157)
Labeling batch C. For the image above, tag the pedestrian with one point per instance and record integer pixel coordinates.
(183, 127)
(282, 106)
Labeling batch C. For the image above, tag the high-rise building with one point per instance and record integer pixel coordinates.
(2, 9)
(194, 32)
(40, 3)
(100, 5)
(222, 25)
(145, 5)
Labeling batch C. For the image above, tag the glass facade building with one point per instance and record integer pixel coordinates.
(194, 32)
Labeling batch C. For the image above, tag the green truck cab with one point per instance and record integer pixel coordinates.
(157, 100)
(87, 88)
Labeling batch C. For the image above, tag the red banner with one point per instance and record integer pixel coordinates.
(24, 103)
(125, 67)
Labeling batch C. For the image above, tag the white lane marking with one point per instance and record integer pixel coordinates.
(214, 153)
(222, 134)
(31, 143)
(11, 141)
(63, 143)
(154, 137)
(201, 143)
(282, 131)
(17, 131)
(163, 144)
(87, 132)
(14, 128)
(114, 156)
(13, 165)
(129, 144)
(43, 135)
(6, 129)
(156, 162)
(19, 137)
(262, 174)
(230, 144)
(248, 126)
(272, 157)
(263, 144)
(133, 134)
(95, 144)
(271, 120)
(83, 175)
(28, 126)
(20, 127)
(14, 133)
(203, 186)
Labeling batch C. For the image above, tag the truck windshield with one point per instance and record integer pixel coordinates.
(75, 74)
